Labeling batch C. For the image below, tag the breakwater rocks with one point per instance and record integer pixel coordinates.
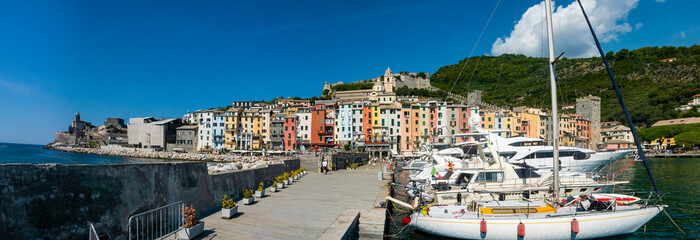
(246, 161)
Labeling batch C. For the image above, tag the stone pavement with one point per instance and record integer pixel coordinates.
(302, 211)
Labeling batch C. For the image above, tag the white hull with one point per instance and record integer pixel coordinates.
(591, 225)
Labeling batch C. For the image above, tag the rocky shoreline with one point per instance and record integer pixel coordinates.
(218, 162)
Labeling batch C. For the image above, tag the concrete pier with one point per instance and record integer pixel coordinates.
(306, 209)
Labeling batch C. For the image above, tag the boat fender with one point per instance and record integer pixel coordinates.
(406, 220)
(425, 210)
(521, 230)
(574, 226)
(483, 226)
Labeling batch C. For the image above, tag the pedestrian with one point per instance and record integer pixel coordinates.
(324, 167)
(320, 165)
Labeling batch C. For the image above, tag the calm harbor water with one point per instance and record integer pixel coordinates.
(678, 177)
(28, 153)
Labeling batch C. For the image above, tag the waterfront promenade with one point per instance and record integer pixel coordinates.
(304, 210)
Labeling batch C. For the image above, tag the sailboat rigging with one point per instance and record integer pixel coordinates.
(580, 217)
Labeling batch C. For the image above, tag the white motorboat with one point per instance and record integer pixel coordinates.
(492, 179)
(533, 152)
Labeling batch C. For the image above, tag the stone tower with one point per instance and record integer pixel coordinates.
(474, 98)
(388, 81)
(589, 108)
(77, 115)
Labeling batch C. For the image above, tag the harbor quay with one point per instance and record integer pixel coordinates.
(311, 208)
(119, 201)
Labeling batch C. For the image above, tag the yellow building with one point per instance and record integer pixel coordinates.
(252, 124)
(663, 143)
(488, 119)
(233, 120)
(376, 120)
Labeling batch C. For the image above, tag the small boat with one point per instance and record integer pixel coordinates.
(620, 199)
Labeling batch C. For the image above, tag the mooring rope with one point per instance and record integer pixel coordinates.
(62, 157)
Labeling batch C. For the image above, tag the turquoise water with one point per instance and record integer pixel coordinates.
(28, 153)
(678, 177)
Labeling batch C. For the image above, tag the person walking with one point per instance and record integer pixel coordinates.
(320, 165)
(324, 167)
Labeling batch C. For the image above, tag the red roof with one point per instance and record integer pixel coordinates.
(696, 95)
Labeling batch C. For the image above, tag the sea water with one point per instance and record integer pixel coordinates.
(36, 154)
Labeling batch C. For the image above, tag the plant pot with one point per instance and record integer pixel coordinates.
(286, 182)
(191, 233)
(291, 179)
(260, 194)
(280, 185)
(228, 213)
(304, 172)
(296, 177)
(273, 189)
(248, 201)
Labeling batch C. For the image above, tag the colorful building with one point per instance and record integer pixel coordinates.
(290, 133)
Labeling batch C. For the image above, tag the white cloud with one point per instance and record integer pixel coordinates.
(15, 87)
(638, 26)
(571, 34)
(682, 34)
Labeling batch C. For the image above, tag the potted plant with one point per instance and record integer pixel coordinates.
(273, 188)
(261, 191)
(193, 226)
(280, 182)
(228, 207)
(248, 196)
(296, 174)
(287, 178)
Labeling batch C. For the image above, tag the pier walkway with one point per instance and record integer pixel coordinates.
(303, 210)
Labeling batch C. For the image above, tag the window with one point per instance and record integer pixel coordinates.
(489, 177)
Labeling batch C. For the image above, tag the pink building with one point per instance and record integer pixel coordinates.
(463, 122)
(407, 127)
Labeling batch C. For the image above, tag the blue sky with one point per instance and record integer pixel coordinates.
(162, 58)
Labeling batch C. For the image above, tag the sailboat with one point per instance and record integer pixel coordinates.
(583, 217)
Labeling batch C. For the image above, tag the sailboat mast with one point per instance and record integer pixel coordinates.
(555, 109)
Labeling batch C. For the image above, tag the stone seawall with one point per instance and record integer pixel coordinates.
(54, 201)
(151, 153)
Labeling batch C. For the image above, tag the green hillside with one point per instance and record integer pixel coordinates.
(685, 135)
(651, 88)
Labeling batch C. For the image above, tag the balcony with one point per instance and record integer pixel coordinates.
(327, 132)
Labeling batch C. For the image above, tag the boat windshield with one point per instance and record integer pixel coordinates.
(527, 143)
(578, 155)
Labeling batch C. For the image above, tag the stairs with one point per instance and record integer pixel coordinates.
(372, 223)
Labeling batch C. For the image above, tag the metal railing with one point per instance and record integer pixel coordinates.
(93, 233)
(157, 223)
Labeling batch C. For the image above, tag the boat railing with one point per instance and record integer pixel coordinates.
(157, 223)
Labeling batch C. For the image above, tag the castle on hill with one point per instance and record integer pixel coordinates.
(383, 87)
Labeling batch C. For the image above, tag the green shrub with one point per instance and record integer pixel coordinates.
(248, 193)
(227, 203)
